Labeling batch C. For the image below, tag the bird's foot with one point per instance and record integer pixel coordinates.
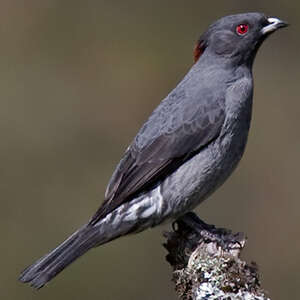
(224, 238)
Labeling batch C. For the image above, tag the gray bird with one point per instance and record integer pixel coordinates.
(187, 148)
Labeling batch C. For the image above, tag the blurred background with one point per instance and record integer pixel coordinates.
(78, 79)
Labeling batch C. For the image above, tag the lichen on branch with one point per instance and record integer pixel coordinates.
(207, 265)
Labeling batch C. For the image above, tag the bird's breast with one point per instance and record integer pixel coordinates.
(201, 175)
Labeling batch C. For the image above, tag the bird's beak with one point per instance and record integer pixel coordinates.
(273, 25)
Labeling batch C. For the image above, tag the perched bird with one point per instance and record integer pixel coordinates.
(187, 148)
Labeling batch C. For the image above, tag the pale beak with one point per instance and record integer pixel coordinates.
(273, 25)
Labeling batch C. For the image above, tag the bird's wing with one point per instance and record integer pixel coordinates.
(180, 126)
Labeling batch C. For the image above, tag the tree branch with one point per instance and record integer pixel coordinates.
(206, 262)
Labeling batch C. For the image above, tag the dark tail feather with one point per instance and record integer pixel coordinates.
(47, 267)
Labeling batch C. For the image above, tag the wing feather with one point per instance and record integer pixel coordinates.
(176, 130)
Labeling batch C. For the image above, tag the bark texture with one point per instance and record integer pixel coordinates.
(207, 265)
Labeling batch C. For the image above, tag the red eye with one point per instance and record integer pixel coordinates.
(242, 29)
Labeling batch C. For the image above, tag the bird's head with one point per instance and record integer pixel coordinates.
(237, 36)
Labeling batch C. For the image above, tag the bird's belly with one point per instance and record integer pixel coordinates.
(182, 190)
(195, 180)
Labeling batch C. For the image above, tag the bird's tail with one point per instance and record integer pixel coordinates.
(47, 267)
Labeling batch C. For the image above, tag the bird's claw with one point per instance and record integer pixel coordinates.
(209, 233)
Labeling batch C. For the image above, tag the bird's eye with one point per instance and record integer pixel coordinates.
(242, 29)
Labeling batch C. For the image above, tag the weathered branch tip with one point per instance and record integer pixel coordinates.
(206, 262)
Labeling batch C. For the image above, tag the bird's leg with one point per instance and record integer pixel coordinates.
(190, 222)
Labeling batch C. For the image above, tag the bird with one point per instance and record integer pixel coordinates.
(188, 147)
